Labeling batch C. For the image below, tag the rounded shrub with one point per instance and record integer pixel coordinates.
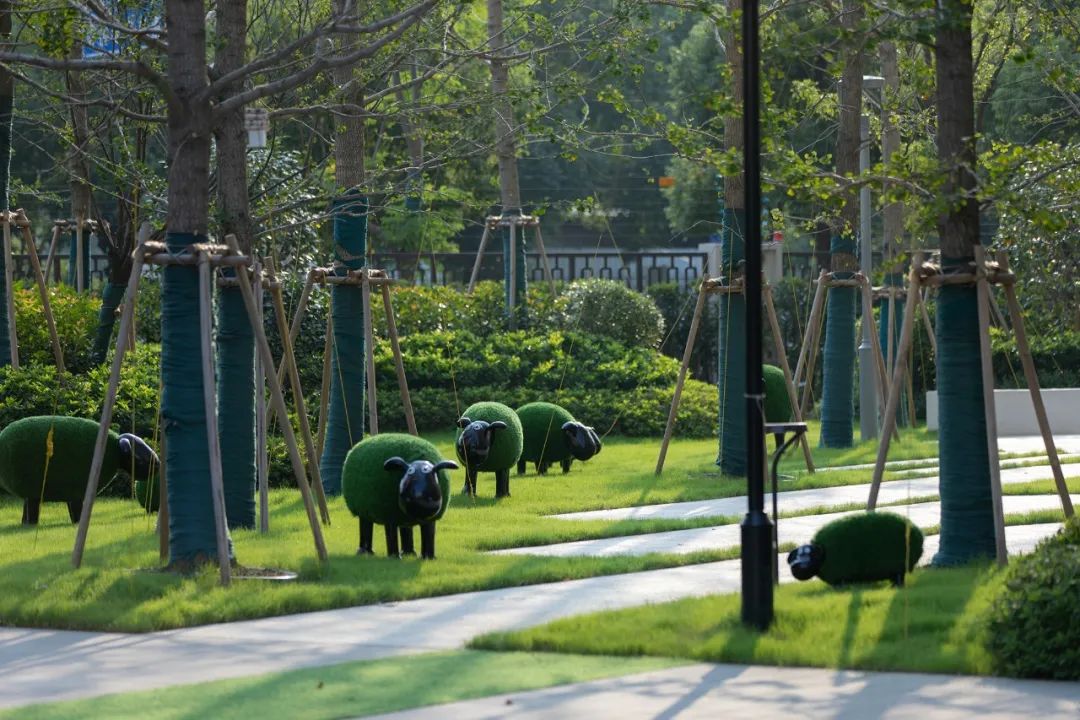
(541, 425)
(55, 451)
(777, 403)
(371, 493)
(868, 547)
(610, 309)
(1033, 625)
(505, 444)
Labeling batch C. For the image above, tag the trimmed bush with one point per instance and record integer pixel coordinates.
(371, 493)
(777, 403)
(610, 309)
(1034, 622)
(541, 425)
(26, 457)
(76, 323)
(868, 547)
(505, 444)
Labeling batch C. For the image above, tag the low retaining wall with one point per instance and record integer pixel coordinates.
(1016, 414)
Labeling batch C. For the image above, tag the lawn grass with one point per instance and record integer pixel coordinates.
(350, 689)
(931, 625)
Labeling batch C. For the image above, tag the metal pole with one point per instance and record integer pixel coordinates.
(756, 529)
(868, 410)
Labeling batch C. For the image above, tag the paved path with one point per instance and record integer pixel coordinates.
(40, 665)
(740, 691)
(796, 500)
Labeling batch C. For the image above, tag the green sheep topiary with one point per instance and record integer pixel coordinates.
(777, 403)
(371, 492)
(541, 425)
(868, 547)
(24, 456)
(147, 493)
(505, 445)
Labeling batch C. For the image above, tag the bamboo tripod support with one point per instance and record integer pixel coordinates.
(982, 277)
(714, 286)
(18, 219)
(513, 222)
(366, 278)
(804, 368)
(204, 257)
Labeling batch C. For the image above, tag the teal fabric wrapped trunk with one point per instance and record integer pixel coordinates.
(519, 268)
(967, 517)
(111, 297)
(895, 280)
(838, 369)
(192, 538)
(236, 406)
(345, 417)
(72, 278)
(731, 361)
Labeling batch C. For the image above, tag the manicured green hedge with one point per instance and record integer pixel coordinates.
(1033, 626)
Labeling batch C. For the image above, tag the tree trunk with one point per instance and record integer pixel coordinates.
(838, 367)
(731, 360)
(79, 170)
(506, 154)
(119, 240)
(235, 338)
(345, 416)
(7, 92)
(967, 520)
(192, 537)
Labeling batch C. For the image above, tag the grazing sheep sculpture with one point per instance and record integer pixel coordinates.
(382, 487)
(551, 435)
(865, 547)
(489, 440)
(47, 458)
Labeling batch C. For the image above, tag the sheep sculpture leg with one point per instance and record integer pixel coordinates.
(75, 511)
(521, 467)
(427, 541)
(31, 511)
(566, 463)
(502, 483)
(470, 482)
(541, 468)
(392, 549)
(367, 532)
(407, 546)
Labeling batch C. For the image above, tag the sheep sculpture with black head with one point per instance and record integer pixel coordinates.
(397, 481)
(47, 458)
(552, 435)
(489, 439)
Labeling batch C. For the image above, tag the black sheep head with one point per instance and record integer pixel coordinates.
(136, 457)
(805, 561)
(581, 439)
(474, 443)
(419, 494)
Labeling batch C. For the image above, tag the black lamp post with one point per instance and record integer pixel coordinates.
(757, 550)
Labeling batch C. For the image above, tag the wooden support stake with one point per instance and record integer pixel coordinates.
(544, 258)
(107, 408)
(1035, 389)
(80, 279)
(298, 393)
(52, 252)
(399, 364)
(43, 293)
(298, 319)
(9, 293)
(484, 239)
(213, 442)
(262, 464)
(278, 401)
(369, 356)
(324, 395)
(781, 353)
(982, 290)
(897, 382)
(163, 505)
(804, 368)
(875, 346)
(926, 321)
(687, 352)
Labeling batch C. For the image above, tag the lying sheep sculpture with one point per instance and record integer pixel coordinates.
(488, 440)
(551, 435)
(396, 481)
(63, 447)
(865, 547)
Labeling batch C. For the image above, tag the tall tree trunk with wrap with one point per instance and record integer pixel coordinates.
(79, 170)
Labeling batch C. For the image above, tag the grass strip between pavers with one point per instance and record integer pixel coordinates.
(934, 624)
(351, 689)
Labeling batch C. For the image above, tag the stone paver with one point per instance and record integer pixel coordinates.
(740, 691)
(47, 665)
(798, 500)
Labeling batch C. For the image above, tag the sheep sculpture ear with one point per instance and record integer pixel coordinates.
(395, 463)
(125, 445)
(464, 422)
(498, 425)
(568, 426)
(445, 465)
(596, 439)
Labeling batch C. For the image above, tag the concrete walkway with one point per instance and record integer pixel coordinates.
(48, 665)
(739, 691)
